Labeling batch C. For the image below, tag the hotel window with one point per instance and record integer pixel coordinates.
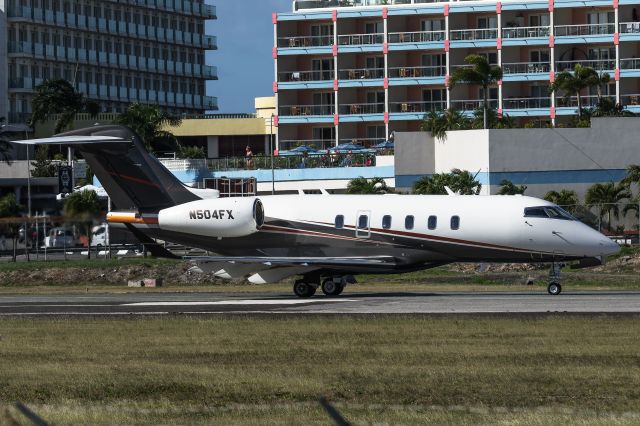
(325, 135)
(487, 22)
(322, 69)
(599, 18)
(322, 30)
(492, 57)
(439, 60)
(539, 20)
(375, 62)
(539, 91)
(603, 54)
(374, 27)
(376, 133)
(435, 98)
(432, 25)
(539, 56)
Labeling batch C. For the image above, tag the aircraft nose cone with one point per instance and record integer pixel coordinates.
(609, 247)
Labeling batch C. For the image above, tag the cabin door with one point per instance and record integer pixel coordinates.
(363, 224)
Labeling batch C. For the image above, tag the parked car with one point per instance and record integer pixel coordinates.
(60, 238)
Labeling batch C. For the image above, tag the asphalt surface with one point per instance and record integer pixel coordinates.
(349, 303)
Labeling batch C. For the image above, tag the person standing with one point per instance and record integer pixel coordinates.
(248, 156)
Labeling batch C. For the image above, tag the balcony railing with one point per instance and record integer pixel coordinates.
(317, 4)
(526, 68)
(293, 76)
(304, 110)
(526, 32)
(359, 39)
(361, 74)
(409, 107)
(584, 30)
(416, 37)
(526, 103)
(476, 34)
(596, 64)
(587, 101)
(473, 104)
(323, 144)
(305, 41)
(631, 99)
(366, 142)
(630, 27)
(371, 108)
(630, 64)
(417, 72)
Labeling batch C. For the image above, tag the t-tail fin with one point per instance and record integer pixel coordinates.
(133, 179)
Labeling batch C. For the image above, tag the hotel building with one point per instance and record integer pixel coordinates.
(357, 70)
(115, 52)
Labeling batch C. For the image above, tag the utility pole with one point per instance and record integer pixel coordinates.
(273, 178)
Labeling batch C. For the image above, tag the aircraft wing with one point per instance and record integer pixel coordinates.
(365, 261)
(71, 140)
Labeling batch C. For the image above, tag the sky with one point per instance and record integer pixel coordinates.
(245, 40)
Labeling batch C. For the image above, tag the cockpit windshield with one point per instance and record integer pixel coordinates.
(552, 212)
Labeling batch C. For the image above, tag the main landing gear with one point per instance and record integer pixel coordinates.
(331, 286)
(554, 288)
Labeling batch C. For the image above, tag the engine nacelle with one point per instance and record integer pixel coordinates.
(222, 217)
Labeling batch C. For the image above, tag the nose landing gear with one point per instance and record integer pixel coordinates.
(554, 288)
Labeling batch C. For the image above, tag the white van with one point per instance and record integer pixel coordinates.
(60, 238)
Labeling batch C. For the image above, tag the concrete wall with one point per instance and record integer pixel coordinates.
(414, 157)
(542, 159)
(4, 70)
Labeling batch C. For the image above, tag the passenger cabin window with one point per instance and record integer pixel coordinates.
(339, 221)
(386, 222)
(455, 222)
(408, 222)
(363, 221)
(432, 223)
(548, 212)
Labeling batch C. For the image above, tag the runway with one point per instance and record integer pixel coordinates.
(349, 303)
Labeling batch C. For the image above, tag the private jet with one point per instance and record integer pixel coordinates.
(325, 240)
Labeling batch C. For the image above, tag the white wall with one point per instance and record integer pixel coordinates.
(465, 150)
(4, 71)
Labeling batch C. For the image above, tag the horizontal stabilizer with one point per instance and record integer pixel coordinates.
(71, 140)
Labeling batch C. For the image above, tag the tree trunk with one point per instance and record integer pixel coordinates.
(15, 248)
(579, 106)
(484, 118)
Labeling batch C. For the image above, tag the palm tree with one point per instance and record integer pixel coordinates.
(509, 188)
(493, 120)
(9, 208)
(607, 197)
(148, 121)
(572, 83)
(439, 122)
(83, 207)
(481, 73)
(59, 97)
(361, 185)
(565, 197)
(632, 175)
(459, 181)
(608, 108)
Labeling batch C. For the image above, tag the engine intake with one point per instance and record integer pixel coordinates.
(221, 217)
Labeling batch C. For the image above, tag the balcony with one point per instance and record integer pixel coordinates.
(360, 39)
(630, 27)
(416, 37)
(630, 64)
(306, 110)
(631, 99)
(210, 42)
(417, 107)
(319, 4)
(297, 76)
(357, 109)
(526, 103)
(305, 41)
(473, 104)
(208, 11)
(584, 30)
(475, 34)
(361, 74)
(587, 101)
(526, 68)
(526, 32)
(596, 64)
(417, 72)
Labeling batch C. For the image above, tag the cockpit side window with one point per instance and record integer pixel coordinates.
(550, 212)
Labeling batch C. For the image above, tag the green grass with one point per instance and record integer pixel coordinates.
(84, 263)
(377, 369)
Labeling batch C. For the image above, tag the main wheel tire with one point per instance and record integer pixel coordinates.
(554, 289)
(331, 288)
(302, 289)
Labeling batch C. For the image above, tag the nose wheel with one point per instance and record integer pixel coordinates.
(554, 288)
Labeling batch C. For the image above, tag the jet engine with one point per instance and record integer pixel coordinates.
(220, 218)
